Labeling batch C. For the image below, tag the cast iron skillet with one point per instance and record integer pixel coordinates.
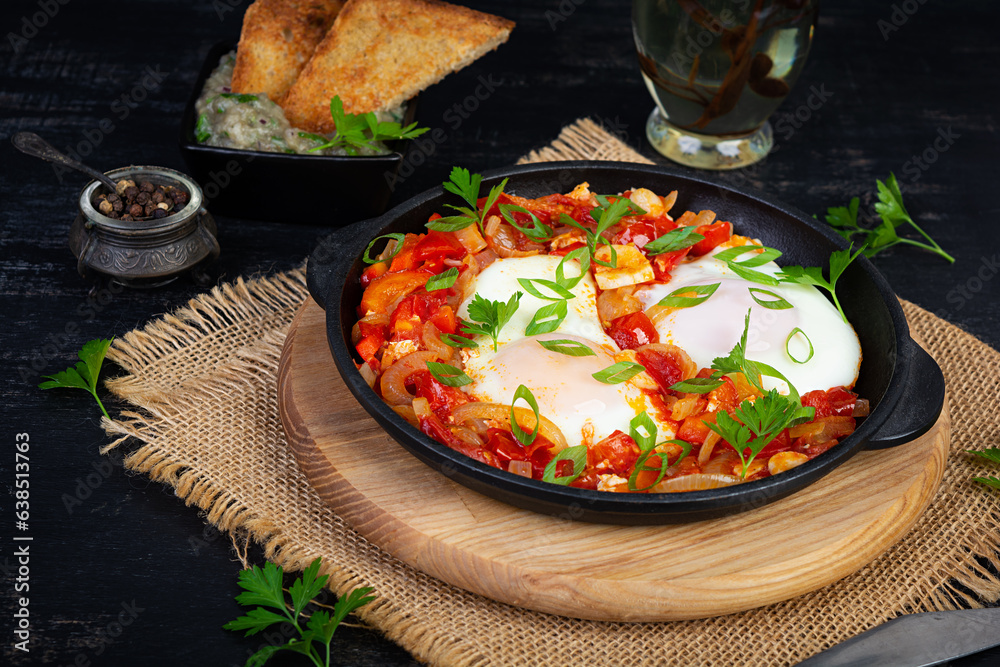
(903, 383)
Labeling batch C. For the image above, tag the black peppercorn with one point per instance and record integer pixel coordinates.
(159, 213)
(117, 205)
(135, 210)
(142, 198)
(146, 186)
(157, 196)
(127, 218)
(131, 192)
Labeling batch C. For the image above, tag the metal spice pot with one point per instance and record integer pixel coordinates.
(143, 253)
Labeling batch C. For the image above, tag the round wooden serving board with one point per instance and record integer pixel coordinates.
(622, 573)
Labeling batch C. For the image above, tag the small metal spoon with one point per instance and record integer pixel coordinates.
(32, 144)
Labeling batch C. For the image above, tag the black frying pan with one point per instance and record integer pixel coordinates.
(903, 383)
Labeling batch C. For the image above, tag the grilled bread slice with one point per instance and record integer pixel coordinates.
(380, 53)
(278, 38)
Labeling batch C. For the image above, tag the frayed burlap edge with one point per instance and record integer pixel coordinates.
(257, 314)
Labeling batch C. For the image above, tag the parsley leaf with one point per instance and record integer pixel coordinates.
(202, 131)
(85, 373)
(490, 316)
(538, 231)
(892, 215)
(813, 275)
(760, 422)
(993, 455)
(356, 132)
(263, 587)
(466, 185)
(737, 362)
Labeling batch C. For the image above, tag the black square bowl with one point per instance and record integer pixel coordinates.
(269, 186)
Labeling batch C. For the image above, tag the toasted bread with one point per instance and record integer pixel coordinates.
(380, 53)
(278, 38)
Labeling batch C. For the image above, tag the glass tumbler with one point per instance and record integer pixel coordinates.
(717, 70)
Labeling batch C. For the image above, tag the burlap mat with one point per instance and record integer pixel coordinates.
(206, 422)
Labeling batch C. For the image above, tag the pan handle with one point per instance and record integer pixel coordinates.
(919, 404)
(330, 252)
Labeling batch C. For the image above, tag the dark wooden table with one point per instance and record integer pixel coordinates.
(909, 87)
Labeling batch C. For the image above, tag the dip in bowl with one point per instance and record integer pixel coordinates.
(234, 179)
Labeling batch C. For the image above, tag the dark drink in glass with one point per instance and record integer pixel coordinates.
(717, 70)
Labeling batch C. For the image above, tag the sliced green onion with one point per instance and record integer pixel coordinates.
(640, 464)
(611, 263)
(367, 259)
(646, 437)
(776, 302)
(752, 275)
(618, 373)
(523, 436)
(673, 300)
(581, 255)
(697, 385)
(677, 239)
(570, 348)
(730, 255)
(451, 223)
(442, 280)
(577, 454)
(560, 292)
(452, 340)
(789, 340)
(448, 375)
(547, 318)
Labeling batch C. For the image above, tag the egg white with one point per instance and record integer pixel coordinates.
(585, 409)
(712, 328)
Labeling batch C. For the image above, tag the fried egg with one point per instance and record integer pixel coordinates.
(585, 409)
(712, 328)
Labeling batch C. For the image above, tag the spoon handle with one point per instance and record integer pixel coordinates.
(32, 144)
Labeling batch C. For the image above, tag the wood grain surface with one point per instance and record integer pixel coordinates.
(585, 570)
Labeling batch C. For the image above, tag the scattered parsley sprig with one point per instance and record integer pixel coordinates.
(760, 422)
(356, 132)
(466, 185)
(606, 214)
(813, 275)
(892, 214)
(85, 373)
(263, 587)
(992, 454)
(489, 317)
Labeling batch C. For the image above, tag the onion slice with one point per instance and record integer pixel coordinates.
(695, 482)
(393, 382)
(501, 413)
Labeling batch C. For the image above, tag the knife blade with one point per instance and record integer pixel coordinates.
(916, 640)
